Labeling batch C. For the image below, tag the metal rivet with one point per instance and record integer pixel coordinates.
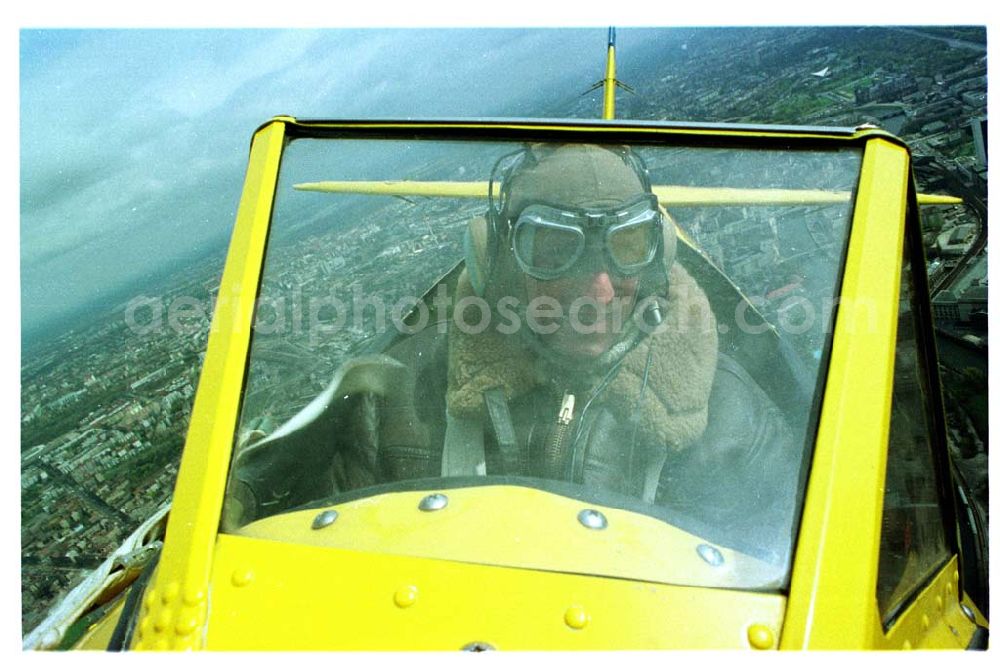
(170, 591)
(711, 555)
(325, 519)
(434, 502)
(925, 621)
(592, 519)
(477, 646)
(163, 619)
(939, 602)
(948, 590)
(194, 596)
(760, 636)
(576, 617)
(907, 645)
(186, 626)
(242, 577)
(968, 612)
(405, 596)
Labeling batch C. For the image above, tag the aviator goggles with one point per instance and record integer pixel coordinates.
(550, 242)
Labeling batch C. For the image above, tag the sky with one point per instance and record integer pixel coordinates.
(133, 142)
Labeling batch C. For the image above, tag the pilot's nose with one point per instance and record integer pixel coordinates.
(600, 288)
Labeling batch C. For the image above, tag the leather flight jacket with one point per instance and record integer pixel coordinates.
(736, 485)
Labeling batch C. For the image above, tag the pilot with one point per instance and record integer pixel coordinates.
(580, 353)
(595, 359)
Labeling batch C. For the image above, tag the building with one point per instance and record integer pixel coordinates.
(978, 126)
(957, 240)
(968, 307)
(892, 89)
(965, 304)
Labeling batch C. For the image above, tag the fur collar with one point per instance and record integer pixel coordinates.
(682, 367)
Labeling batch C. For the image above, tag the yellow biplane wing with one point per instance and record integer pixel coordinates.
(670, 196)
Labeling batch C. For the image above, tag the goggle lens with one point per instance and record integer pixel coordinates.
(548, 242)
(546, 250)
(633, 244)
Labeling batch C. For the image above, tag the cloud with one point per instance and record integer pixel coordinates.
(211, 66)
(134, 142)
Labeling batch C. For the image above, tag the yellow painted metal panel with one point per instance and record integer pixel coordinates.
(180, 587)
(526, 528)
(270, 595)
(934, 620)
(832, 596)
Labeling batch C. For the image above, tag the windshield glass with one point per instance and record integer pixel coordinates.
(639, 327)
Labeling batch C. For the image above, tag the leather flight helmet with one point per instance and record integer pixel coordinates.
(559, 175)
